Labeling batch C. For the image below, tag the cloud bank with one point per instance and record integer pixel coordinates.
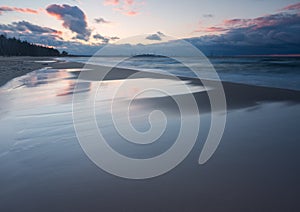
(25, 27)
(270, 34)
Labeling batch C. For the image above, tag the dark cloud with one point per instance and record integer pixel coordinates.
(156, 36)
(153, 37)
(208, 15)
(274, 20)
(103, 39)
(32, 33)
(47, 36)
(272, 29)
(101, 21)
(114, 38)
(35, 28)
(270, 34)
(160, 34)
(73, 18)
(24, 27)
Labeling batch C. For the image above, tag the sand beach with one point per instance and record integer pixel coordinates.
(255, 166)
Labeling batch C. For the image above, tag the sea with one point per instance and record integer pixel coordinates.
(279, 72)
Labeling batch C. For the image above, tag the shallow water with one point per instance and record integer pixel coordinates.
(43, 167)
(278, 72)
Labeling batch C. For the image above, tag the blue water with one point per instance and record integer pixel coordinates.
(280, 72)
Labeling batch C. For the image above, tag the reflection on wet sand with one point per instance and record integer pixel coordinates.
(43, 167)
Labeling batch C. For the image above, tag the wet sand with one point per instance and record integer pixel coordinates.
(43, 168)
(11, 67)
(237, 95)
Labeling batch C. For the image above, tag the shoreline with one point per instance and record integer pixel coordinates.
(236, 93)
(12, 67)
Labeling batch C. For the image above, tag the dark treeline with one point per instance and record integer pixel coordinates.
(16, 47)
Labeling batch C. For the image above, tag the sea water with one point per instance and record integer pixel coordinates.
(279, 72)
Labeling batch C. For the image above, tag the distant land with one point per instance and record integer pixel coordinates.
(16, 47)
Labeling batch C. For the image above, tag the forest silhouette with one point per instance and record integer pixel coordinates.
(16, 47)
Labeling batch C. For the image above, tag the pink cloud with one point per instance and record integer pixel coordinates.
(292, 7)
(125, 7)
(236, 22)
(132, 13)
(263, 21)
(17, 9)
(111, 2)
(129, 2)
(256, 23)
(215, 29)
(211, 29)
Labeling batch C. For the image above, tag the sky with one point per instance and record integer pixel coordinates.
(218, 27)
